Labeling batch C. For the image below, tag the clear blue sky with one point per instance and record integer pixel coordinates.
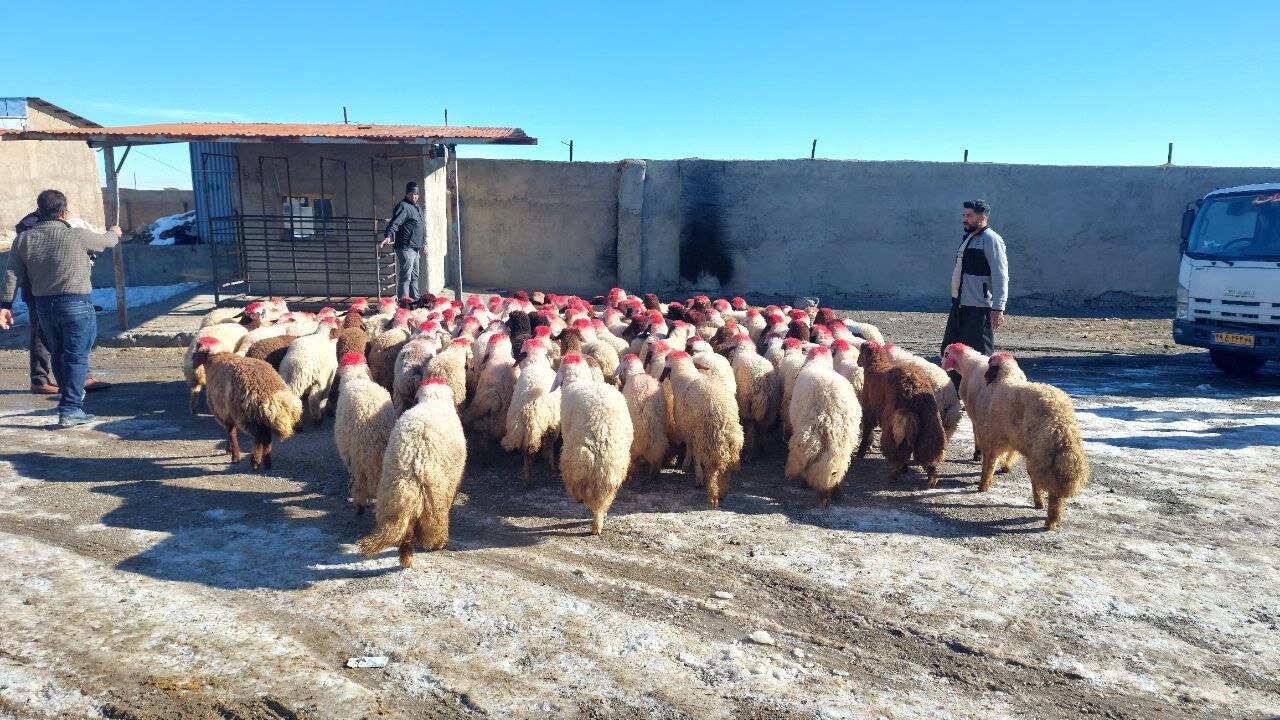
(1026, 82)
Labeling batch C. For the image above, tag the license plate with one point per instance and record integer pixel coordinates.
(1239, 339)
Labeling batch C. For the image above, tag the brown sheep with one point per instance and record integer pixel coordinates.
(1038, 421)
(245, 393)
(900, 400)
(384, 348)
(271, 349)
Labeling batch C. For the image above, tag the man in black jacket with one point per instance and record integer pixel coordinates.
(406, 232)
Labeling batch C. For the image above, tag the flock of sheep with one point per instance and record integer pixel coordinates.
(623, 387)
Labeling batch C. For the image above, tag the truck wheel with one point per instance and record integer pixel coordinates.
(1233, 363)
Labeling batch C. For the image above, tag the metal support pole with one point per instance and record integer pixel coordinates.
(966, 154)
(813, 149)
(455, 212)
(1169, 161)
(111, 204)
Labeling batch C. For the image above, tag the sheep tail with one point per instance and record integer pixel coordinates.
(905, 425)
(397, 511)
(931, 438)
(282, 411)
(1068, 468)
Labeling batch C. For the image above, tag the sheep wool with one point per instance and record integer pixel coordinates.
(944, 391)
(1038, 421)
(758, 393)
(597, 432)
(971, 365)
(707, 421)
(793, 357)
(533, 418)
(453, 365)
(900, 399)
(647, 406)
(271, 349)
(229, 334)
(246, 394)
(309, 367)
(385, 346)
(486, 416)
(826, 419)
(421, 472)
(361, 427)
(410, 369)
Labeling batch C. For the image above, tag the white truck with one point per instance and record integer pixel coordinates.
(1229, 282)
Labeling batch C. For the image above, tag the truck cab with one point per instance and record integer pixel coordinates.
(1228, 297)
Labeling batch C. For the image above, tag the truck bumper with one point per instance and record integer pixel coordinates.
(1266, 344)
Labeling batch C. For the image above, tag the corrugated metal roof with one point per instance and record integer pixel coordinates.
(286, 132)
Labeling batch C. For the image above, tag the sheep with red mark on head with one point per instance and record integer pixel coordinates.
(421, 472)
(486, 415)
(361, 427)
(533, 417)
(596, 430)
(971, 365)
(309, 366)
(246, 394)
(706, 418)
(826, 419)
(900, 399)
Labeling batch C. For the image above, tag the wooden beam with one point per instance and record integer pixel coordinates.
(111, 204)
(455, 211)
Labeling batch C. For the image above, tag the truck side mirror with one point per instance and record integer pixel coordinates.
(1188, 218)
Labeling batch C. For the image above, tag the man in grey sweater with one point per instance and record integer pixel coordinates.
(52, 258)
(979, 284)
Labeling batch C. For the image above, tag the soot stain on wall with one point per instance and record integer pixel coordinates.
(703, 237)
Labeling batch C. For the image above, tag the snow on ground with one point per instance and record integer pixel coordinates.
(105, 298)
(1159, 596)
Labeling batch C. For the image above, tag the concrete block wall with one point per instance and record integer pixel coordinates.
(853, 233)
(141, 207)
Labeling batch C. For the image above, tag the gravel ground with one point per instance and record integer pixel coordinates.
(147, 578)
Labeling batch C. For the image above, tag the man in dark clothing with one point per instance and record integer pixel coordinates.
(52, 258)
(41, 365)
(979, 284)
(406, 231)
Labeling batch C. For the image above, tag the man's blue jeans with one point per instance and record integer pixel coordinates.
(69, 326)
(407, 259)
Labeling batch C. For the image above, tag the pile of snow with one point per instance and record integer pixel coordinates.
(170, 229)
(105, 298)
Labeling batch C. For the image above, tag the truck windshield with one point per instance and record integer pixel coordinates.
(1237, 227)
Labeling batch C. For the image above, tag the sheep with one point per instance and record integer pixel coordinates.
(452, 365)
(900, 399)
(246, 394)
(421, 472)
(486, 416)
(758, 392)
(410, 367)
(229, 334)
(271, 349)
(971, 365)
(713, 364)
(944, 391)
(377, 323)
(309, 366)
(247, 340)
(385, 346)
(596, 428)
(1039, 422)
(647, 406)
(361, 426)
(793, 358)
(707, 420)
(220, 315)
(844, 355)
(825, 418)
(866, 331)
(533, 418)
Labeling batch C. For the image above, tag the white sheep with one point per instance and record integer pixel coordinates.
(707, 420)
(596, 428)
(826, 419)
(759, 393)
(647, 405)
(533, 418)
(486, 415)
(844, 356)
(410, 367)
(421, 472)
(309, 366)
(361, 426)
(453, 365)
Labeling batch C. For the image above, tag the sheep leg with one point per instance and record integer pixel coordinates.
(1035, 495)
(597, 521)
(988, 471)
(233, 443)
(977, 453)
(1055, 512)
(195, 400)
(713, 490)
(868, 425)
(549, 455)
(895, 470)
(1005, 463)
(266, 454)
(527, 478)
(406, 551)
(255, 462)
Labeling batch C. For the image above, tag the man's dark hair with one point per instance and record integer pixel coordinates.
(50, 204)
(978, 206)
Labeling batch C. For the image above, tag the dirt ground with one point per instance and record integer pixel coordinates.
(145, 577)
